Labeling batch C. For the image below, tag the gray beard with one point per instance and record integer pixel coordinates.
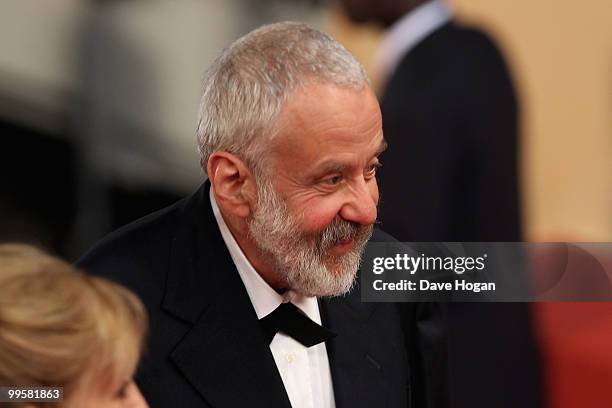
(302, 260)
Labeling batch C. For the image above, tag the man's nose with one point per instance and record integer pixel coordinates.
(361, 204)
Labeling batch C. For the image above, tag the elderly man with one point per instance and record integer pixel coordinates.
(248, 281)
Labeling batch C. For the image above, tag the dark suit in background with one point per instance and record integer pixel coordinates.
(450, 117)
(206, 347)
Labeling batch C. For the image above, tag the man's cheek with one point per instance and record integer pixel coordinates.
(317, 218)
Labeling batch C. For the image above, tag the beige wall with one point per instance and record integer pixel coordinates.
(560, 53)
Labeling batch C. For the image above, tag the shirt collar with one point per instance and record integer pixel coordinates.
(407, 32)
(263, 297)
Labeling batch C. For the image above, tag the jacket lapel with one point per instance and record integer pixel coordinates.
(357, 371)
(224, 355)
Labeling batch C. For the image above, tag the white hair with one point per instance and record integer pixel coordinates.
(245, 88)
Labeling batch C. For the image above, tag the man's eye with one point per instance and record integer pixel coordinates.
(333, 180)
(371, 171)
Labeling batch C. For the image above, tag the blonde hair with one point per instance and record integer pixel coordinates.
(59, 326)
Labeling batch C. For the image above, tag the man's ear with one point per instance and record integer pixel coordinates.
(232, 183)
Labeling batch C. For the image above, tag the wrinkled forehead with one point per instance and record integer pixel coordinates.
(320, 120)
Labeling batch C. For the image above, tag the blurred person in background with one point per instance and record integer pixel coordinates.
(450, 113)
(62, 328)
(451, 119)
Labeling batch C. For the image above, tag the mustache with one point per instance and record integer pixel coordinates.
(340, 230)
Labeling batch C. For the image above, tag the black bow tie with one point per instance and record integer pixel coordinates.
(288, 319)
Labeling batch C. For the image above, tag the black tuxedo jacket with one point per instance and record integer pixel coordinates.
(206, 348)
(451, 121)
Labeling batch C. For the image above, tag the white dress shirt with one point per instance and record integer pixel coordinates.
(406, 33)
(305, 371)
